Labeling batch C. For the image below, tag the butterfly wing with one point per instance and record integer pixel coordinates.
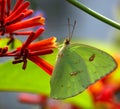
(70, 75)
(77, 67)
(98, 62)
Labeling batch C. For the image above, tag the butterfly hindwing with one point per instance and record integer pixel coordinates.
(70, 75)
(98, 62)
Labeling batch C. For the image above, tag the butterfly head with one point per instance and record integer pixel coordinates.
(67, 41)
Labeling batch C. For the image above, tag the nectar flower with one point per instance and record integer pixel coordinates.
(32, 51)
(12, 20)
(36, 21)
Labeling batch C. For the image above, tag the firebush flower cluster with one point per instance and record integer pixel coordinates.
(16, 21)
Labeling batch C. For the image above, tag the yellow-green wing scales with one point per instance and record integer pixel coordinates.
(101, 63)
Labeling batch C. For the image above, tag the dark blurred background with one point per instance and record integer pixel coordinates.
(57, 12)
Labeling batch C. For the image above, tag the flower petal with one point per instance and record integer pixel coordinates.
(36, 21)
(43, 44)
(41, 52)
(2, 6)
(18, 3)
(31, 37)
(18, 11)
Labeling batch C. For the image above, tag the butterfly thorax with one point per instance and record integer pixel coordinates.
(64, 48)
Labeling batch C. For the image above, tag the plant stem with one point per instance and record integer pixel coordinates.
(94, 14)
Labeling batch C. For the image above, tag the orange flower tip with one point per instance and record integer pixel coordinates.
(42, 20)
(53, 38)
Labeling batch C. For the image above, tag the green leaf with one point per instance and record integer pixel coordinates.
(32, 79)
(16, 43)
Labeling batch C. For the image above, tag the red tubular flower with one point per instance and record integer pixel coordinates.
(2, 6)
(32, 37)
(42, 45)
(19, 10)
(42, 48)
(42, 64)
(36, 21)
(11, 20)
(8, 8)
(32, 51)
(17, 4)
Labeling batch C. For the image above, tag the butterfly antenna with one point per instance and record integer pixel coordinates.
(73, 30)
(69, 34)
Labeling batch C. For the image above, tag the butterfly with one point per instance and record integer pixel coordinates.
(77, 67)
